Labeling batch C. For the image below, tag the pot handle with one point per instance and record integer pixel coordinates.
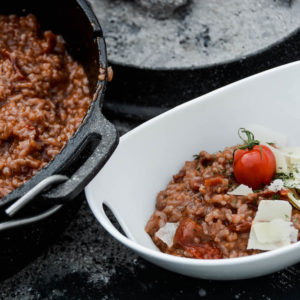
(11, 224)
(99, 129)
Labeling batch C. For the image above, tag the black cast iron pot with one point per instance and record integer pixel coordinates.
(85, 153)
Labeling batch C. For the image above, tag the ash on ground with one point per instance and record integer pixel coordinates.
(85, 258)
(199, 33)
(161, 9)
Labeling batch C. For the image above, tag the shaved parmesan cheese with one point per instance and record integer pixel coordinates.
(271, 235)
(167, 232)
(280, 157)
(293, 183)
(269, 210)
(276, 185)
(241, 190)
(268, 136)
(274, 231)
(288, 162)
(294, 234)
(292, 154)
(271, 227)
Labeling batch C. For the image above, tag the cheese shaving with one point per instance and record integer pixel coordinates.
(272, 227)
(274, 231)
(166, 233)
(280, 157)
(241, 190)
(292, 154)
(269, 210)
(271, 235)
(276, 185)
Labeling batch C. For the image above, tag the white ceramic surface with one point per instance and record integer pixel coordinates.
(149, 155)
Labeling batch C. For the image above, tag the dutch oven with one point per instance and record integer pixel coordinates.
(84, 154)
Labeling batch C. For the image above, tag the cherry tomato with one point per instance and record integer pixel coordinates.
(254, 167)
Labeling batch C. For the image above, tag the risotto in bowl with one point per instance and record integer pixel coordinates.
(209, 189)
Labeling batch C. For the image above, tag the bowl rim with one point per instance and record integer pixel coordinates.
(143, 250)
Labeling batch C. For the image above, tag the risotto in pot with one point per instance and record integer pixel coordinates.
(44, 95)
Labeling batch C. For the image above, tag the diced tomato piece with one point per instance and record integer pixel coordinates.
(204, 251)
(186, 232)
(240, 227)
(188, 235)
(216, 184)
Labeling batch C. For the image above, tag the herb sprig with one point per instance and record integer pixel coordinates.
(284, 176)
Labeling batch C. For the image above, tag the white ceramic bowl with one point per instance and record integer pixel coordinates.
(149, 155)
